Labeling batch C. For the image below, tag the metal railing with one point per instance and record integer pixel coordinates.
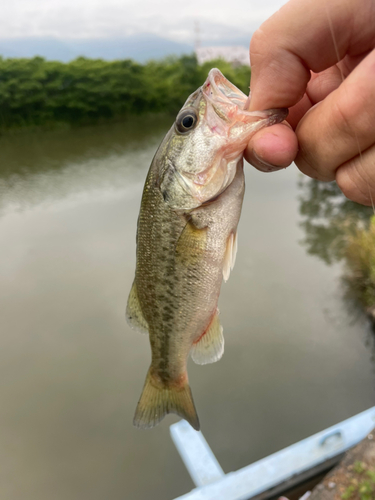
(299, 461)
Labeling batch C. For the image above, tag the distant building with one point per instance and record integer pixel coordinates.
(237, 56)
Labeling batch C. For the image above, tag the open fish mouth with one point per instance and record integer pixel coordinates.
(218, 88)
(230, 104)
(208, 149)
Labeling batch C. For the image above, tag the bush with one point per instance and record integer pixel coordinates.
(43, 93)
(360, 263)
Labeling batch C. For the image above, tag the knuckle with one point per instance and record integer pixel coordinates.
(353, 184)
(310, 163)
(342, 119)
(306, 167)
(352, 115)
(259, 46)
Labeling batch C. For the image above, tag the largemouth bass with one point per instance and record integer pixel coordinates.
(187, 241)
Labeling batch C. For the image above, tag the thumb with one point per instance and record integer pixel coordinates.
(301, 37)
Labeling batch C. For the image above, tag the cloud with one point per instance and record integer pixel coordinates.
(108, 18)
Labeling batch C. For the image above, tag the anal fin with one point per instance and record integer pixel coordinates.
(210, 347)
(134, 315)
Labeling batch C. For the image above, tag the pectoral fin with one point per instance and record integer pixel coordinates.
(230, 255)
(210, 347)
(134, 315)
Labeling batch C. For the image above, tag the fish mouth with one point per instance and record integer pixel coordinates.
(223, 129)
(230, 103)
(218, 88)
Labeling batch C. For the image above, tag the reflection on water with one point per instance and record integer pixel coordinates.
(72, 370)
(44, 167)
(326, 216)
(330, 221)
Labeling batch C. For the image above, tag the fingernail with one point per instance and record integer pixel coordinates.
(265, 166)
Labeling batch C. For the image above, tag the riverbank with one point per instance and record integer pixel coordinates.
(37, 93)
(360, 267)
(353, 478)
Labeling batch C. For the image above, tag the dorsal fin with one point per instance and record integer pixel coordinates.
(210, 347)
(134, 315)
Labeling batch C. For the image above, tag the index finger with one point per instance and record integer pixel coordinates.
(304, 36)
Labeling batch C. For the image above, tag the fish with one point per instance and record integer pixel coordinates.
(187, 241)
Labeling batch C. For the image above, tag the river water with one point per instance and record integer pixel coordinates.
(71, 370)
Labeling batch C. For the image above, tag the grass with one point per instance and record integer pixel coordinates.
(362, 486)
(360, 264)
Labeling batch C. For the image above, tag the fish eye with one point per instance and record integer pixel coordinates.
(186, 121)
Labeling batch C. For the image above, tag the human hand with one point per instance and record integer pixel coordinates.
(331, 131)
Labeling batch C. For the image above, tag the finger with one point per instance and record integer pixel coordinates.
(356, 178)
(320, 85)
(350, 62)
(302, 36)
(272, 148)
(297, 112)
(335, 130)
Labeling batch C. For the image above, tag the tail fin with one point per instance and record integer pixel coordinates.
(157, 401)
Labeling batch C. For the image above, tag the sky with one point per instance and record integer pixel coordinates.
(173, 19)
